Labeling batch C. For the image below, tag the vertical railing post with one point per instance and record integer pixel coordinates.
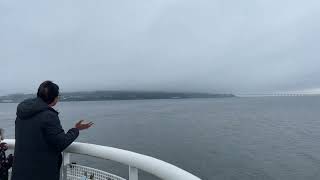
(133, 173)
(65, 163)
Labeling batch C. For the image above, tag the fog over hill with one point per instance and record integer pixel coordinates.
(214, 46)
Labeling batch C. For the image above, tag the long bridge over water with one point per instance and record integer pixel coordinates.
(276, 95)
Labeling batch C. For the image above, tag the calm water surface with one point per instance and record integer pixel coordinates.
(236, 138)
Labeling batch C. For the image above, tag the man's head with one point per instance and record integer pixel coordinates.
(3, 146)
(48, 92)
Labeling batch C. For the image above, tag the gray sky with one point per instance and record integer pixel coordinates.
(233, 46)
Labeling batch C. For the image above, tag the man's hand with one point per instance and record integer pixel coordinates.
(10, 160)
(82, 126)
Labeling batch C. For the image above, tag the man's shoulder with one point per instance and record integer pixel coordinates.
(51, 113)
(47, 116)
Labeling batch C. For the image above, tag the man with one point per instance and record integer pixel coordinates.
(40, 138)
(5, 162)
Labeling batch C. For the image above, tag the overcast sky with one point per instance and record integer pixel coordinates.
(248, 46)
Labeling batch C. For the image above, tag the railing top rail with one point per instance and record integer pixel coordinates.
(148, 164)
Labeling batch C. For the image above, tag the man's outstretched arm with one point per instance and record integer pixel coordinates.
(56, 136)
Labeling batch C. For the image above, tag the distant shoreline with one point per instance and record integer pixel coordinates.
(116, 95)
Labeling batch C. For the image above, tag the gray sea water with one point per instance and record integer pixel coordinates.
(274, 138)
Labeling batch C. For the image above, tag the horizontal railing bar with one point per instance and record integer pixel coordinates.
(148, 164)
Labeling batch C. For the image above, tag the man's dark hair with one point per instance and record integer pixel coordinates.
(48, 91)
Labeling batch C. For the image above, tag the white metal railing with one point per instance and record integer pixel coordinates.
(135, 161)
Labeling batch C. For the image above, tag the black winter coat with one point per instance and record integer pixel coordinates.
(40, 140)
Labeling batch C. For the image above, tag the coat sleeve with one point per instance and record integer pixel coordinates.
(55, 135)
